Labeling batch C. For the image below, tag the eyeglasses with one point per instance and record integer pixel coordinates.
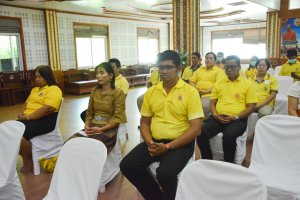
(232, 67)
(169, 67)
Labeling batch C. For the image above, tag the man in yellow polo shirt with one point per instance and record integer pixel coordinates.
(204, 79)
(171, 119)
(189, 71)
(233, 99)
(120, 81)
(292, 66)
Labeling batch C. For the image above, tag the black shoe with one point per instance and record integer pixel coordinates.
(139, 127)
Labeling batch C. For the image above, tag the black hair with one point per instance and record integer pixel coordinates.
(197, 54)
(266, 60)
(256, 58)
(215, 56)
(170, 55)
(114, 60)
(47, 74)
(291, 52)
(110, 70)
(233, 57)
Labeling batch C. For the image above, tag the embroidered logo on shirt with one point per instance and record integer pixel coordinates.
(266, 88)
(41, 95)
(180, 98)
(297, 69)
(237, 96)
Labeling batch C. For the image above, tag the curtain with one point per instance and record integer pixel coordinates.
(9, 26)
(152, 34)
(84, 31)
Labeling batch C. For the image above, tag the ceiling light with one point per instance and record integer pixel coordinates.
(239, 3)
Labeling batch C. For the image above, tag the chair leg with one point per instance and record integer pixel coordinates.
(136, 194)
(36, 168)
(127, 136)
(101, 189)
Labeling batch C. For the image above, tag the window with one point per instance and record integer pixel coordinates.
(244, 43)
(91, 45)
(10, 46)
(148, 45)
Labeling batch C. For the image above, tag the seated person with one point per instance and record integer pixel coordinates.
(175, 109)
(106, 110)
(120, 81)
(189, 71)
(233, 99)
(294, 99)
(266, 88)
(251, 71)
(39, 113)
(292, 67)
(204, 79)
(220, 60)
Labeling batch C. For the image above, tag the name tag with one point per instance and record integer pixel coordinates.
(267, 82)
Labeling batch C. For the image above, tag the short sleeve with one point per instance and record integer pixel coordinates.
(90, 112)
(53, 97)
(119, 106)
(220, 75)
(184, 75)
(251, 96)
(294, 90)
(146, 110)
(124, 85)
(194, 77)
(194, 105)
(214, 92)
(274, 85)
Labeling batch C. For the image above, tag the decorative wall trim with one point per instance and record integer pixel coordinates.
(273, 35)
(211, 11)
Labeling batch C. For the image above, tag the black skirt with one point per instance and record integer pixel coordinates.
(40, 126)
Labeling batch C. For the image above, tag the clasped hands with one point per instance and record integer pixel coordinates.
(22, 117)
(224, 118)
(92, 130)
(295, 76)
(156, 149)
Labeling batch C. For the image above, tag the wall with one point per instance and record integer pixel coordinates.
(207, 46)
(122, 33)
(273, 4)
(34, 34)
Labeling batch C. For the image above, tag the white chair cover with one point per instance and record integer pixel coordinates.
(275, 155)
(211, 180)
(271, 71)
(281, 101)
(122, 130)
(252, 119)
(11, 133)
(277, 70)
(217, 147)
(78, 170)
(47, 145)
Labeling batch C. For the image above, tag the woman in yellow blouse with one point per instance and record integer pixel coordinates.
(106, 110)
(39, 113)
(251, 71)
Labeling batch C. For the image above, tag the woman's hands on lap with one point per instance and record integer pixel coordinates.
(92, 130)
(23, 117)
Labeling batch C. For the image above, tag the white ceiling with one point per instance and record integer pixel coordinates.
(253, 11)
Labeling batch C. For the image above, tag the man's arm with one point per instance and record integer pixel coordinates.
(145, 129)
(192, 84)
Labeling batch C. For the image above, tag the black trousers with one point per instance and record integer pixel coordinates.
(231, 131)
(134, 165)
(82, 116)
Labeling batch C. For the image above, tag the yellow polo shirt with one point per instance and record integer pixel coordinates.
(250, 72)
(171, 112)
(39, 97)
(233, 97)
(122, 83)
(189, 72)
(154, 78)
(205, 79)
(265, 87)
(287, 69)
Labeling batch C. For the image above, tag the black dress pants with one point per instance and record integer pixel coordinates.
(231, 131)
(134, 165)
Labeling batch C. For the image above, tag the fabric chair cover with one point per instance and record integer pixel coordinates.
(275, 155)
(277, 70)
(78, 170)
(281, 102)
(217, 147)
(47, 145)
(252, 119)
(11, 133)
(112, 165)
(271, 71)
(122, 129)
(211, 180)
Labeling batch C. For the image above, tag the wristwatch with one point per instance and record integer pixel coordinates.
(237, 118)
(168, 147)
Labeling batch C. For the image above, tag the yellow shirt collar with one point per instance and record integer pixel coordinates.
(238, 79)
(38, 88)
(179, 84)
(214, 67)
(267, 77)
(120, 76)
